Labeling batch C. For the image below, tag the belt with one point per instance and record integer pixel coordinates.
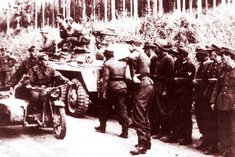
(116, 79)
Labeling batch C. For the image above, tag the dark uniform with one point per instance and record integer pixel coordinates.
(202, 107)
(116, 89)
(183, 76)
(142, 100)
(163, 83)
(41, 76)
(224, 97)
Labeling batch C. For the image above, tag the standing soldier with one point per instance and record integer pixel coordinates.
(163, 85)
(224, 99)
(183, 76)
(143, 97)
(7, 61)
(114, 89)
(200, 85)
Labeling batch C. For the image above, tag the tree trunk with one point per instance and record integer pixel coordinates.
(36, 14)
(155, 8)
(149, 7)
(214, 4)
(68, 12)
(131, 7)
(113, 9)
(43, 13)
(199, 7)
(160, 8)
(84, 10)
(105, 11)
(63, 1)
(179, 5)
(206, 4)
(124, 7)
(184, 6)
(94, 13)
(8, 20)
(135, 9)
(191, 6)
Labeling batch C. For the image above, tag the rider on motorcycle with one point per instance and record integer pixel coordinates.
(43, 76)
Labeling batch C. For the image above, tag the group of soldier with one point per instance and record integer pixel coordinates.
(165, 88)
(168, 89)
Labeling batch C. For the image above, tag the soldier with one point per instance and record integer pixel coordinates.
(163, 85)
(143, 97)
(7, 61)
(223, 99)
(41, 75)
(62, 29)
(114, 89)
(183, 75)
(24, 67)
(200, 85)
(149, 49)
(48, 47)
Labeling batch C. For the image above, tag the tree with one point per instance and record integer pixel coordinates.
(199, 7)
(155, 8)
(160, 8)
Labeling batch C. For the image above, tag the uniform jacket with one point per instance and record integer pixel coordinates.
(183, 75)
(224, 93)
(113, 75)
(164, 73)
(38, 76)
(48, 46)
(22, 69)
(142, 66)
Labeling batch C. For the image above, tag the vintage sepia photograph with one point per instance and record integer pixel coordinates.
(117, 78)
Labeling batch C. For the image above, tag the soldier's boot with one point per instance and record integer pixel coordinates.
(124, 133)
(101, 128)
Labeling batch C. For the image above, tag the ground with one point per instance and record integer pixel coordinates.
(83, 141)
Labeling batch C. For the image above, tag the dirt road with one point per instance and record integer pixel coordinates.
(82, 141)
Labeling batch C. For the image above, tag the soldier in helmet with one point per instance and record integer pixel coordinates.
(48, 46)
(114, 89)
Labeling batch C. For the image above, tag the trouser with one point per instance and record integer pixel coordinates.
(226, 132)
(140, 113)
(182, 116)
(116, 98)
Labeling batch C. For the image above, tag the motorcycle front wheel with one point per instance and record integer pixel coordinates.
(59, 123)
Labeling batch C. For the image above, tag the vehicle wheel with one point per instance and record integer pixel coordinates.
(77, 99)
(59, 122)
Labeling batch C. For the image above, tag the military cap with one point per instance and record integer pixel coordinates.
(43, 57)
(134, 41)
(149, 45)
(173, 51)
(215, 47)
(200, 50)
(182, 50)
(227, 51)
(108, 52)
(163, 44)
(31, 48)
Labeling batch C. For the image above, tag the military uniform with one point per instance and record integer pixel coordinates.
(22, 69)
(142, 99)
(116, 89)
(202, 107)
(224, 97)
(7, 62)
(163, 82)
(183, 76)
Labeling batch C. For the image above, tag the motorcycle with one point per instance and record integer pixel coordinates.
(48, 111)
